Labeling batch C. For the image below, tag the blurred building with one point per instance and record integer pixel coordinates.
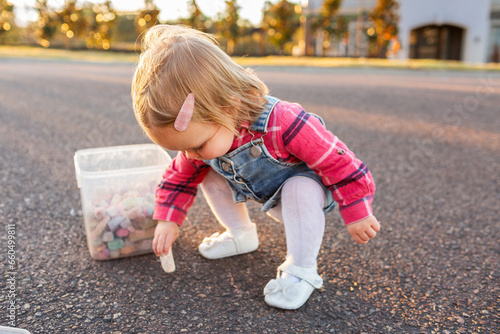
(493, 48)
(463, 30)
(448, 29)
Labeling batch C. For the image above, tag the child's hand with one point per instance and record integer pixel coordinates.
(363, 230)
(165, 235)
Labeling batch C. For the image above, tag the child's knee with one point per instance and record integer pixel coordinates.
(304, 188)
(215, 183)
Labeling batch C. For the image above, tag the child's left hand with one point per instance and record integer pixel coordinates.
(364, 230)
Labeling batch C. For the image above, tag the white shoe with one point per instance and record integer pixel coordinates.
(284, 294)
(232, 242)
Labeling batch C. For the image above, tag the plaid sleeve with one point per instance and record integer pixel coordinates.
(176, 192)
(343, 174)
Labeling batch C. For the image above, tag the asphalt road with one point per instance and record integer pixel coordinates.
(431, 140)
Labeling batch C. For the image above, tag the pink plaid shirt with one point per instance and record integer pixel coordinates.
(342, 173)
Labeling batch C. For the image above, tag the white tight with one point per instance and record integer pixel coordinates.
(219, 197)
(300, 210)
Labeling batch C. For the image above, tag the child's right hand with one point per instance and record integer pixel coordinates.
(364, 230)
(165, 235)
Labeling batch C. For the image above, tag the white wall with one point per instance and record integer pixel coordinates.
(471, 15)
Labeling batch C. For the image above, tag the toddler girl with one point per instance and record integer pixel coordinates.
(238, 143)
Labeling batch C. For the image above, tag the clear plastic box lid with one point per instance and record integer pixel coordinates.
(116, 160)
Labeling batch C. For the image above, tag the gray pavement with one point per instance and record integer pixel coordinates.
(431, 140)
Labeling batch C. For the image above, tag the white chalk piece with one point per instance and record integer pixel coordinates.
(167, 262)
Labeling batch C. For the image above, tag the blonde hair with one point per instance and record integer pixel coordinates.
(176, 61)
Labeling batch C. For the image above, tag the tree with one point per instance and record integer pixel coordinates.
(228, 26)
(103, 19)
(196, 18)
(280, 21)
(384, 18)
(47, 23)
(147, 17)
(124, 29)
(71, 22)
(328, 25)
(6, 18)
(341, 31)
(328, 11)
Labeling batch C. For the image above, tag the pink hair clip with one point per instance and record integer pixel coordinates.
(184, 116)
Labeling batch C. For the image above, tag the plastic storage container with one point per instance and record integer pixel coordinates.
(117, 187)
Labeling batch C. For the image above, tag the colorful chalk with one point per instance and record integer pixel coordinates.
(121, 223)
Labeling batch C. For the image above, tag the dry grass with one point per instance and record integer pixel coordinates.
(111, 56)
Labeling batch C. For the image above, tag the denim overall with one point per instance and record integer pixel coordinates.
(252, 173)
